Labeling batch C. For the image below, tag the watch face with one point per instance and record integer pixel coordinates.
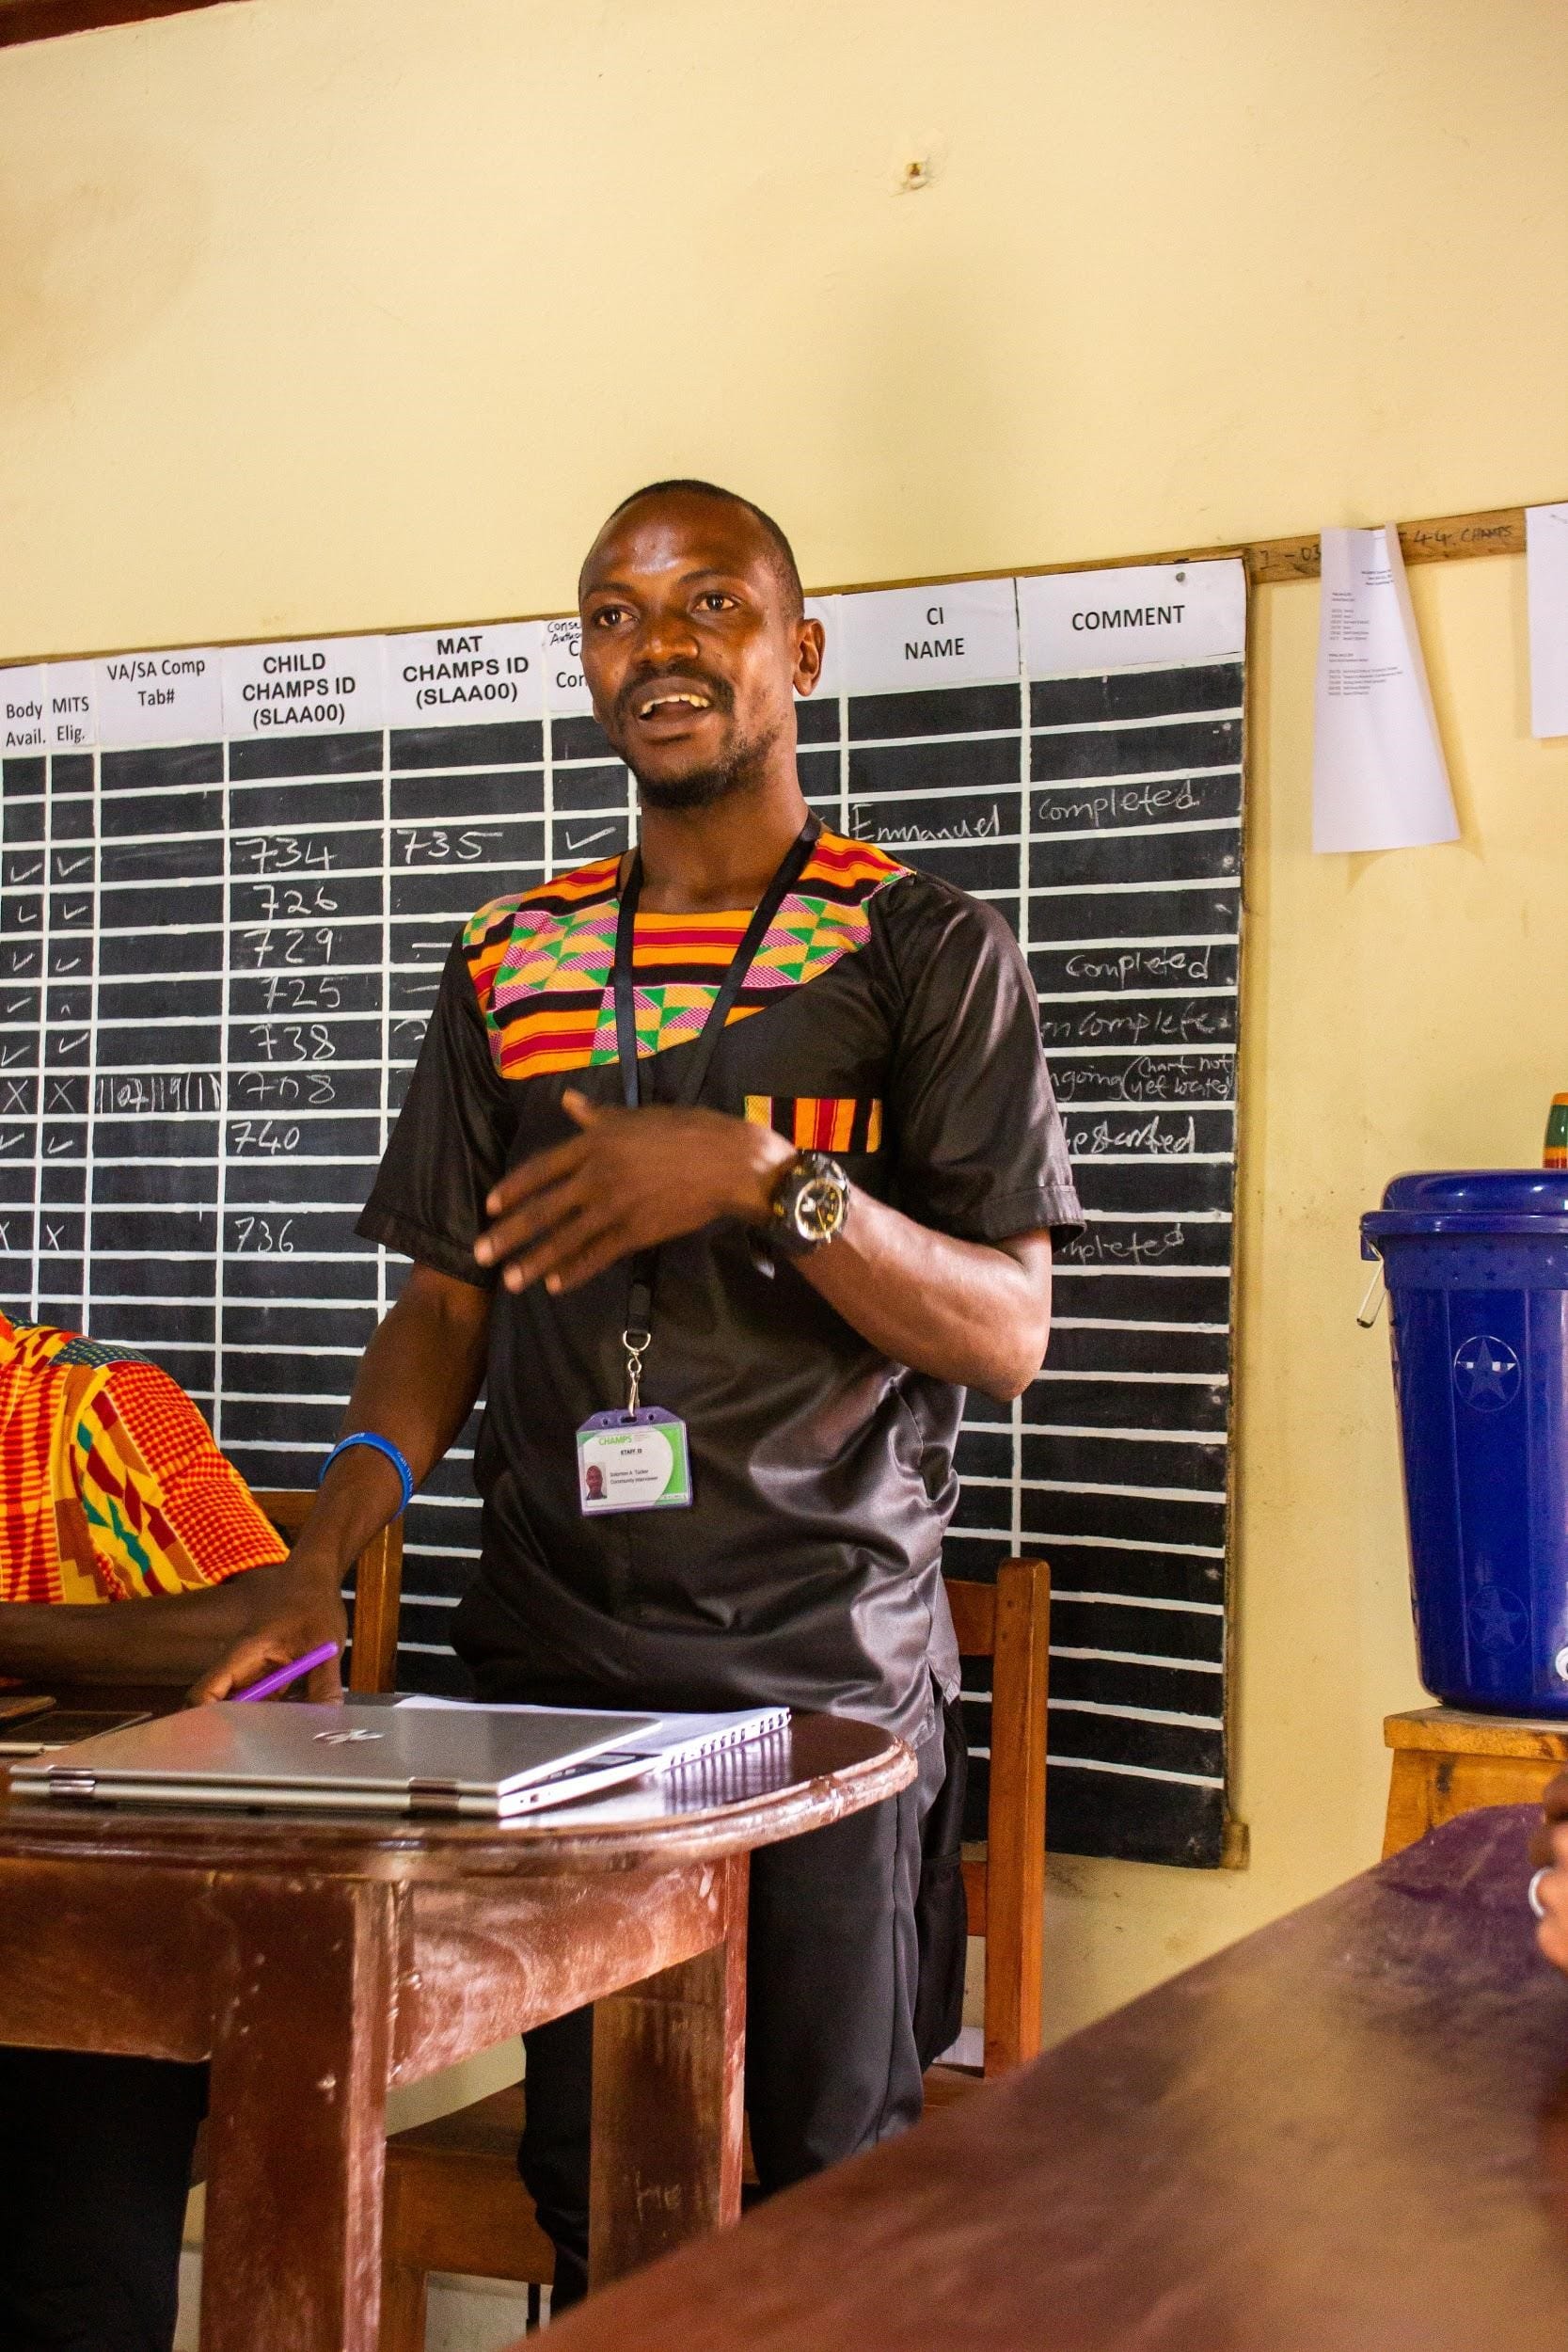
(820, 1208)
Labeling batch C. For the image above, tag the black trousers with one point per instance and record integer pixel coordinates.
(95, 2168)
(832, 2063)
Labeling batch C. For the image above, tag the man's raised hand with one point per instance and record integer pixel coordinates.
(627, 1182)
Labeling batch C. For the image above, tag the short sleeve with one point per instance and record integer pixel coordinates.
(449, 1145)
(977, 1142)
(165, 1512)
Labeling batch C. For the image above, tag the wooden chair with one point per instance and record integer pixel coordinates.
(454, 2199)
(377, 1588)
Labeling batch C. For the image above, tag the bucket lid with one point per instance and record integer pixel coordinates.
(1472, 1200)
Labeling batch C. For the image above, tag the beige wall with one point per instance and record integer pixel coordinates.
(341, 313)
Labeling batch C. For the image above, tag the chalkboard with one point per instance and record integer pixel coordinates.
(229, 881)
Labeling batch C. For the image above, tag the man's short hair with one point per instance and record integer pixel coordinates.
(784, 566)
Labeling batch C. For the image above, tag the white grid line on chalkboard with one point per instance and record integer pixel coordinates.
(1127, 726)
(1137, 1714)
(44, 1036)
(219, 1263)
(1126, 1657)
(385, 1106)
(1139, 1600)
(1130, 1772)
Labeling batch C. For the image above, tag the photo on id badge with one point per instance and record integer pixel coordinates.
(633, 1461)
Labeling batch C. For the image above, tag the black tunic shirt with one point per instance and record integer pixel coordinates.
(888, 1018)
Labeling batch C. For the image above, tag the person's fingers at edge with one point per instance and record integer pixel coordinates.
(1552, 1938)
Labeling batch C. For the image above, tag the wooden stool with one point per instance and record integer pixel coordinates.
(1447, 1762)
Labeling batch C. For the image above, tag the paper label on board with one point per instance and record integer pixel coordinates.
(24, 710)
(566, 695)
(323, 686)
(1546, 565)
(160, 697)
(72, 718)
(478, 677)
(962, 634)
(1379, 777)
(1139, 616)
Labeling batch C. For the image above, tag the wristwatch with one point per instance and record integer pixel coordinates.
(811, 1205)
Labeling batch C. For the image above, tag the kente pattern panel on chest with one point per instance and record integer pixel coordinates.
(230, 880)
(542, 960)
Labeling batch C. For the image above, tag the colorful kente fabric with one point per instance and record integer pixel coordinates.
(111, 1487)
(542, 962)
(820, 1122)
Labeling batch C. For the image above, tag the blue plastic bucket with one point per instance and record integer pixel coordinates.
(1476, 1264)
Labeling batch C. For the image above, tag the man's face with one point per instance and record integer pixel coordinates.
(691, 651)
(593, 1478)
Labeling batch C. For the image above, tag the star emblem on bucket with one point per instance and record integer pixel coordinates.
(1486, 1373)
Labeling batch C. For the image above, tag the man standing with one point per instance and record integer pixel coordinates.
(729, 1165)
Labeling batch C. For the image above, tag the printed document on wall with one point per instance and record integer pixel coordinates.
(1379, 778)
(1546, 563)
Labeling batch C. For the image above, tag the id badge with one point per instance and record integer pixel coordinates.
(633, 1460)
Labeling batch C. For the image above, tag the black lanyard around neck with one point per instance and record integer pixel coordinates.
(701, 1051)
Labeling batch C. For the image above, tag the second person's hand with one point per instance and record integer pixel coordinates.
(300, 1607)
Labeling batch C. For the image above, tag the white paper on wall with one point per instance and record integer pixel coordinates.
(1379, 778)
(1547, 567)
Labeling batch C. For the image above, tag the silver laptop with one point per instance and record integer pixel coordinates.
(443, 1763)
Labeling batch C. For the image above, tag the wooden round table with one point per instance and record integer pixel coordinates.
(317, 1958)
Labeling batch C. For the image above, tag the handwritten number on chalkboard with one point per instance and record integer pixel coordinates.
(435, 844)
(261, 1135)
(259, 1234)
(296, 942)
(291, 905)
(284, 852)
(297, 994)
(291, 1041)
(281, 1086)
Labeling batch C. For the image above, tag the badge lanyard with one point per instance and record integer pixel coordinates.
(640, 1297)
(638, 1459)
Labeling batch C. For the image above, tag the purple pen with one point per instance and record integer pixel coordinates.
(283, 1675)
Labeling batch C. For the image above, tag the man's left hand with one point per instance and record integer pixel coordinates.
(630, 1181)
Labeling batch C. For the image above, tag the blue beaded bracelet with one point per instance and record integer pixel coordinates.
(382, 1445)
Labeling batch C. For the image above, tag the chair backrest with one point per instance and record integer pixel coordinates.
(1010, 1622)
(377, 1587)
